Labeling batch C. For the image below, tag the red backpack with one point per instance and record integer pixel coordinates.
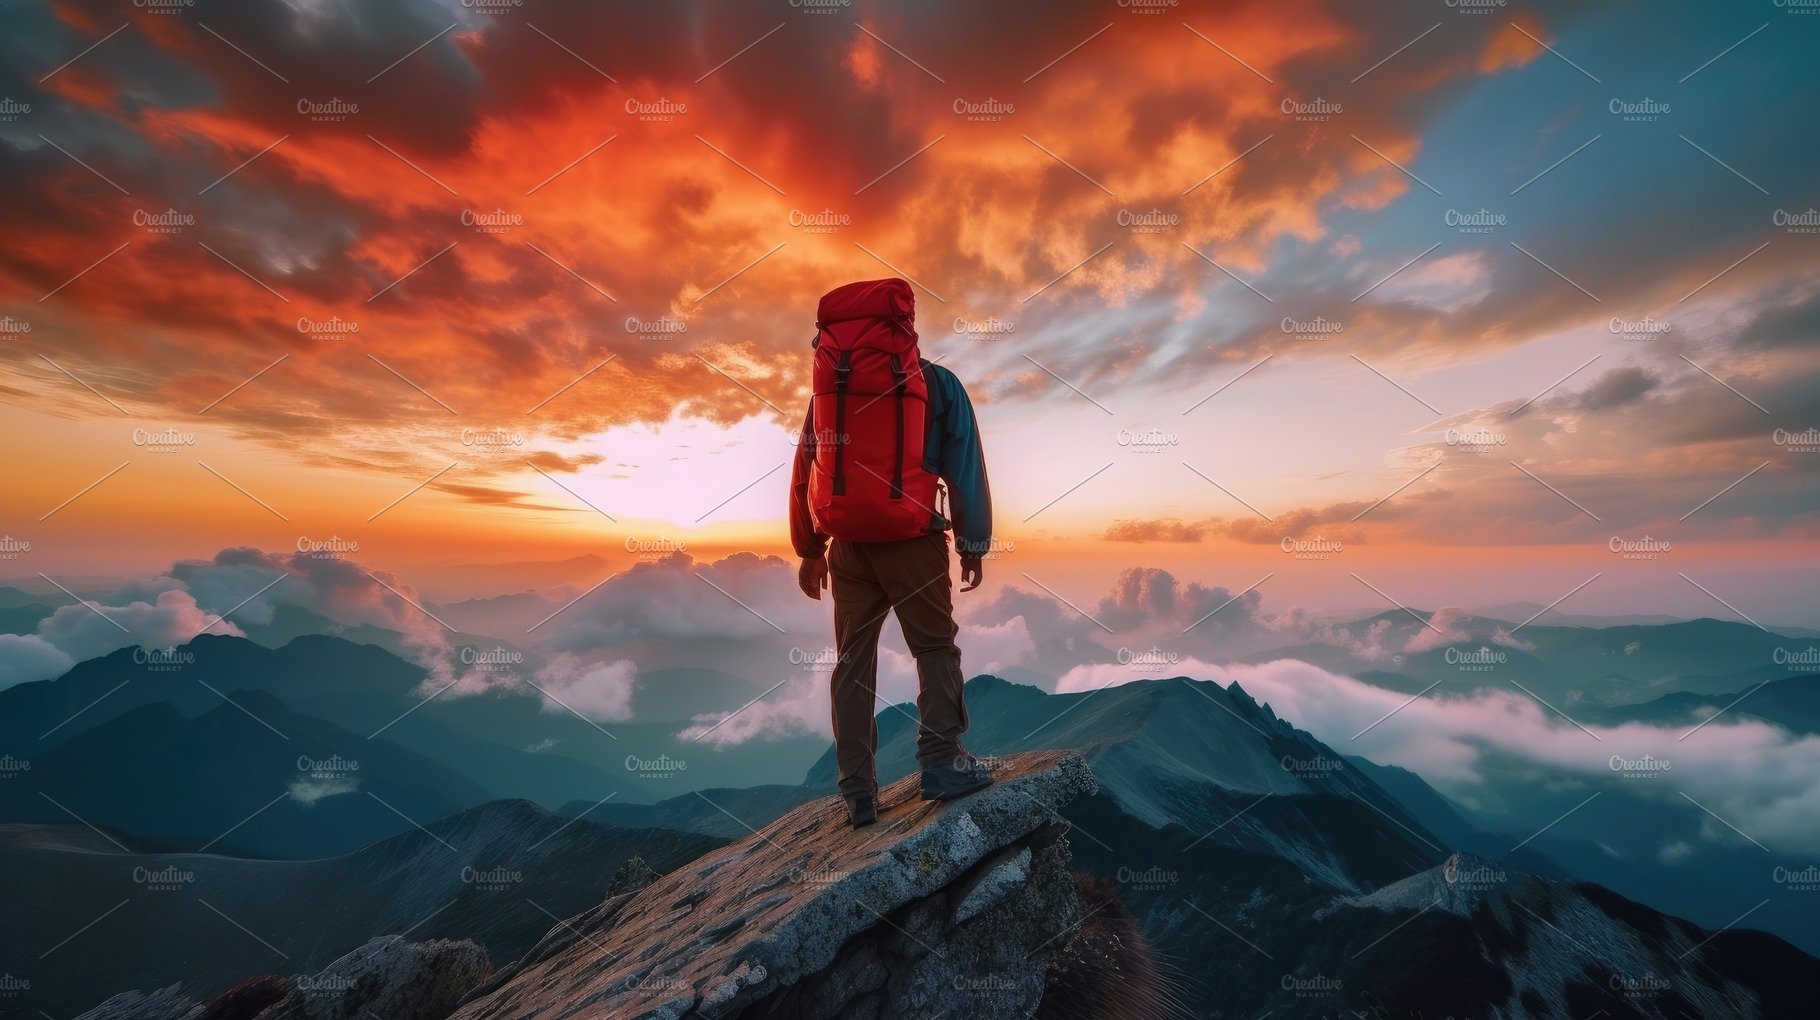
(868, 414)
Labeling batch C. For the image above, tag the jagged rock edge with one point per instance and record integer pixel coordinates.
(827, 913)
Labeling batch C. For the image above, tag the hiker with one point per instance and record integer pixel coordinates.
(884, 428)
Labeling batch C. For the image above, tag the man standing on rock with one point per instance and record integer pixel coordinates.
(884, 428)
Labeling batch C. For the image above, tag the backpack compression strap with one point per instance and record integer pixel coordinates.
(897, 471)
(841, 371)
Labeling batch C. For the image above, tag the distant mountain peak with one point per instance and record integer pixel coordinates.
(206, 639)
(1238, 693)
(509, 812)
(990, 685)
(1457, 885)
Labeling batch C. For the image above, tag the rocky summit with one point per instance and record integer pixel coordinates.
(957, 908)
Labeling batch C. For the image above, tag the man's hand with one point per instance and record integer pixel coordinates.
(972, 572)
(812, 576)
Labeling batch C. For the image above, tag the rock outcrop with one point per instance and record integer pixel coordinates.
(939, 909)
(388, 977)
(168, 1003)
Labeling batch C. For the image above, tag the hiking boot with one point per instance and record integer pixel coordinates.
(965, 774)
(862, 810)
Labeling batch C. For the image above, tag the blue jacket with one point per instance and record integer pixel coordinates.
(952, 451)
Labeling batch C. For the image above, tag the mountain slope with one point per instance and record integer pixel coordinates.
(679, 695)
(23, 619)
(1469, 937)
(1565, 949)
(497, 874)
(1792, 703)
(362, 688)
(1566, 665)
(248, 774)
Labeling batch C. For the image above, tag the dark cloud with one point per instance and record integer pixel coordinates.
(1615, 388)
(549, 461)
(1166, 530)
(1789, 320)
(1143, 595)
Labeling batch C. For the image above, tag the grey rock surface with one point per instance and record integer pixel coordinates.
(387, 977)
(159, 1004)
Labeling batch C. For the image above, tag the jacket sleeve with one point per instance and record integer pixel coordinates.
(962, 464)
(804, 538)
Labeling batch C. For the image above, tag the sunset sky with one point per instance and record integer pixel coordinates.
(471, 283)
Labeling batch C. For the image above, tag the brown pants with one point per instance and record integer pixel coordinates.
(871, 579)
